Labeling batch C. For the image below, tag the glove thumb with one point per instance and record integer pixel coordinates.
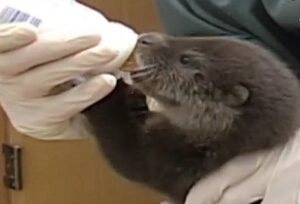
(85, 94)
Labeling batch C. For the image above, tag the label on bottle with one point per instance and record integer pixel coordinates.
(10, 15)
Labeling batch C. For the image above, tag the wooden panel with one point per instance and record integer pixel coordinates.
(72, 172)
(141, 15)
(3, 191)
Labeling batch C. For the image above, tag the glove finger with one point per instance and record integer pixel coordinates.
(52, 114)
(39, 81)
(13, 36)
(285, 186)
(253, 188)
(48, 47)
(211, 189)
(82, 96)
(248, 191)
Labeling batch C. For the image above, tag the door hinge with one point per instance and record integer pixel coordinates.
(13, 175)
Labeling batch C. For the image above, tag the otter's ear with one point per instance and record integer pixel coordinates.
(236, 96)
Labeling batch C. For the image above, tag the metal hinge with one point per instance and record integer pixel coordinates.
(13, 176)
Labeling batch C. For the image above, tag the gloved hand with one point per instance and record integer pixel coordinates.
(32, 63)
(272, 176)
(28, 71)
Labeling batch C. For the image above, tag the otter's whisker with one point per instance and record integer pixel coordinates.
(141, 74)
(140, 78)
(140, 69)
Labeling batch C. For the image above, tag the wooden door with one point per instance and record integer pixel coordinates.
(3, 139)
(74, 172)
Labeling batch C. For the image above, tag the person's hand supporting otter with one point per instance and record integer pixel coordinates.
(271, 177)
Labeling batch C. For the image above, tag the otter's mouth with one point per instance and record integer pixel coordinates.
(142, 70)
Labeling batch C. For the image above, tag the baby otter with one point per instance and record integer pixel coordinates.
(218, 98)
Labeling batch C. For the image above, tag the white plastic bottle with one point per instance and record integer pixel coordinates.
(71, 16)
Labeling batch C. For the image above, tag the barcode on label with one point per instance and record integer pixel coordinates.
(10, 15)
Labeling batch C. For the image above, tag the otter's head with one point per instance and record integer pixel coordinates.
(167, 71)
(214, 77)
(186, 71)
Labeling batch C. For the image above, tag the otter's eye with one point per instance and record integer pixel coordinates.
(184, 59)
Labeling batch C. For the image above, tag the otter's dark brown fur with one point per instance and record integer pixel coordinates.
(219, 97)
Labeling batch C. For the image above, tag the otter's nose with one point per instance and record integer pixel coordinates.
(150, 39)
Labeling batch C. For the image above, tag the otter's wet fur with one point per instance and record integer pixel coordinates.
(219, 98)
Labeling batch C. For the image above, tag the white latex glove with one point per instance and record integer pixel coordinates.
(273, 176)
(33, 61)
(23, 91)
